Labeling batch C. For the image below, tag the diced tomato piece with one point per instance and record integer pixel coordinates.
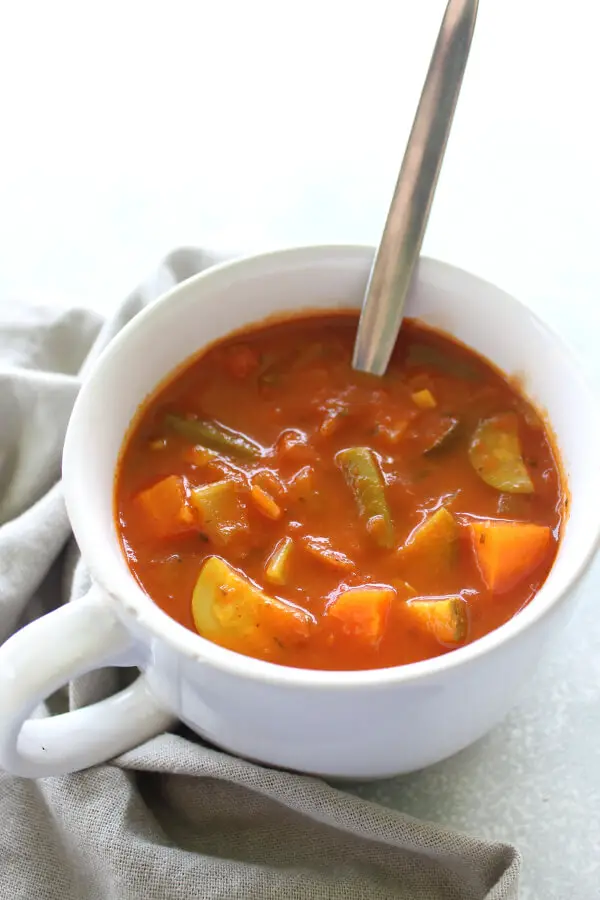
(199, 456)
(270, 482)
(242, 361)
(293, 445)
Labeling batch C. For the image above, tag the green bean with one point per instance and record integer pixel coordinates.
(212, 434)
(363, 477)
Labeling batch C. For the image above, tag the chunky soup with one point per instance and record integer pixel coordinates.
(288, 508)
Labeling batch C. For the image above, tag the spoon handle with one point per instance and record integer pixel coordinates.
(402, 237)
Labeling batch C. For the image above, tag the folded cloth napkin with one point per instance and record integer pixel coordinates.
(174, 818)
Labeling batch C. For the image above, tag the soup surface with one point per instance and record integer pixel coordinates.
(289, 508)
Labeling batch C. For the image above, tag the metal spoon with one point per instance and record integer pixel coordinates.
(402, 237)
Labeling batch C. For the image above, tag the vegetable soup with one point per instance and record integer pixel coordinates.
(289, 508)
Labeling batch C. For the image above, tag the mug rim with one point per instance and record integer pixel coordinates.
(140, 606)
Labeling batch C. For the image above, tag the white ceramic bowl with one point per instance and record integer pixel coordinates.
(341, 724)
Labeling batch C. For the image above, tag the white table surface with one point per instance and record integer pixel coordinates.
(129, 128)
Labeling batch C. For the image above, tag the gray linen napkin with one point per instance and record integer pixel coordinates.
(173, 818)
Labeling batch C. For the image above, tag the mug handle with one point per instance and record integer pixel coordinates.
(45, 655)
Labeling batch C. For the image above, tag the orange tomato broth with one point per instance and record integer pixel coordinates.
(289, 387)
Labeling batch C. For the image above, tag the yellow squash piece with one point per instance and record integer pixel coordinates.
(230, 610)
(433, 543)
(221, 512)
(276, 570)
(445, 618)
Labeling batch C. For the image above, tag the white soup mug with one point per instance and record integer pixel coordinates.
(363, 724)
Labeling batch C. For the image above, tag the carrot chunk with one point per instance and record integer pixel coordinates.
(270, 482)
(363, 611)
(166, 509)
(506, 552)
(265, 503)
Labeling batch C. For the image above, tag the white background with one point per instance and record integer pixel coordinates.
(131, 127)
(128, 128)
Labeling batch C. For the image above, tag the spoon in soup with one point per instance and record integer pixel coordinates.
(402, 237)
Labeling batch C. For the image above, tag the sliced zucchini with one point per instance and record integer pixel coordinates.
(495, 454)
(442, 436)
(445, 618)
